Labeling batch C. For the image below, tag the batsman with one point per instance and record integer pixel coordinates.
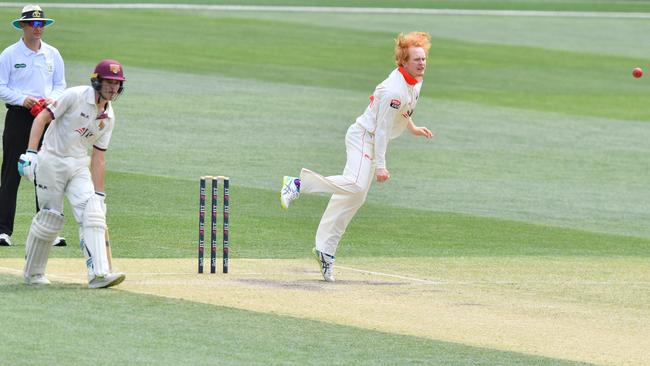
(80, 120)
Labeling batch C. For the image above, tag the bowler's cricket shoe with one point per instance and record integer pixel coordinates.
(37, 279)
(326, 263)
(290, 190)
(111, 279)
(5, 240)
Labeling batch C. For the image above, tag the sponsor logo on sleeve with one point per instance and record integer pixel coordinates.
(395, 103)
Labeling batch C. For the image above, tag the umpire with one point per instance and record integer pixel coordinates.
(30, 71)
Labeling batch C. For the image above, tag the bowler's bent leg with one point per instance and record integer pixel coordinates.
(357, 174)
(336, 218)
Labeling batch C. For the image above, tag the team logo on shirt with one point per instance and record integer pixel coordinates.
(101, 125)
(395, 103)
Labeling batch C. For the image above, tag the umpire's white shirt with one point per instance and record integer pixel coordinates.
(23, 72)
(78, 124)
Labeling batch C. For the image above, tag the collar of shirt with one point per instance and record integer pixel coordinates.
(26, 50)
(91, 99)
(410, 80)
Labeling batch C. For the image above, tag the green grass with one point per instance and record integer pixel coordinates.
(283, 51)
(260, 229)
(530, 133)
(132, 328)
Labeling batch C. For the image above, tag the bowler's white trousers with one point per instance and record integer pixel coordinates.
(348, 190)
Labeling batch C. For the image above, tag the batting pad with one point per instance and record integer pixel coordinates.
(44, 229)
(93, 228)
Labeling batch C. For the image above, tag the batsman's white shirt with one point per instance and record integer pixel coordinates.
(366, 141)
(78, 124)
(63, 161)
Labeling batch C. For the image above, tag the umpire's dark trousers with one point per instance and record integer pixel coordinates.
(15, 137)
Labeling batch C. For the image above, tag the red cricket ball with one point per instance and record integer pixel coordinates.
(637, 72)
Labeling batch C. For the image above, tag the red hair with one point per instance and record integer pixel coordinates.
(413, 39)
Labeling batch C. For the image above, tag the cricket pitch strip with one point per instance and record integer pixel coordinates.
(518, 314)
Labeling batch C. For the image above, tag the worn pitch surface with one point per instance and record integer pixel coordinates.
(520, 313)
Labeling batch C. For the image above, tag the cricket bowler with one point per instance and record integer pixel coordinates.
(386, 117)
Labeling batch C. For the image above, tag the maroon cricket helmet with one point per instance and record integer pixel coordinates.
(109, 69)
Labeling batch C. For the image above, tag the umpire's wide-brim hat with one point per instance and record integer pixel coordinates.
(32, 12)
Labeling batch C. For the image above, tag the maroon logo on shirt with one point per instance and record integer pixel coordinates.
(84, 132)
(395, 103)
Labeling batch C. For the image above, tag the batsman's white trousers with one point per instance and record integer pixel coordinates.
(349, 190)
(58, 177)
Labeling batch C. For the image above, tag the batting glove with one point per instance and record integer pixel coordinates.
(27, 165)
(102, 199)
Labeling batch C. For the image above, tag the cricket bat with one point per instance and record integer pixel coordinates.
(109, 253)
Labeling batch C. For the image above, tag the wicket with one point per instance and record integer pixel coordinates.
(213, 232)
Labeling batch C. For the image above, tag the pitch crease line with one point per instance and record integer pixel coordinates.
(429, 282)
(524, 282)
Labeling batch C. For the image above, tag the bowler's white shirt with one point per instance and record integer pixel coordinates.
(75, 127)
(23, 73)
(387, 115)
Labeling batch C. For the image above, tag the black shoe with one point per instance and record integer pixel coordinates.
(4, 240)
(59, 242)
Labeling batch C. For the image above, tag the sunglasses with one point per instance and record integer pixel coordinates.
(36, 23)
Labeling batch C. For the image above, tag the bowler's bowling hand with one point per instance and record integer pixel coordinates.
(382, 175)
(423, 131)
